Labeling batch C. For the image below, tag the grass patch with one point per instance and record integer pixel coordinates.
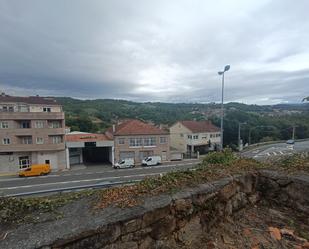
(19, 210)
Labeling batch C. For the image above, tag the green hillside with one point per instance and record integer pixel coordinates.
(97, 115)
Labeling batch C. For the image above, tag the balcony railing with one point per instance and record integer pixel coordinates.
(31, 147)
(31, 115)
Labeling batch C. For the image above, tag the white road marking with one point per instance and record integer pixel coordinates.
(101, 172)
(274, 152)
(268, 154)
(281, 152)
(78, 181)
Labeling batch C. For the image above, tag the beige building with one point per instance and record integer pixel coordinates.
(137, 139)
(31, 132)
(193, 136)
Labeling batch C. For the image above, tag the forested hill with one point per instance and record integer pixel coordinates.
(97, 115)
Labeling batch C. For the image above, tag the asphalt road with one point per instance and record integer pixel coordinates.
(89, 176)
(276, 150)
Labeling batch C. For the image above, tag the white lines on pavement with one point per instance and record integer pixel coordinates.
(79, 181)
(101, 172)
(132, 169)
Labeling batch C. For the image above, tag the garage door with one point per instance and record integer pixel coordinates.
(126, 154)
(74, 159)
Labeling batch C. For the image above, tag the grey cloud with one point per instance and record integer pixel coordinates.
(155, 50)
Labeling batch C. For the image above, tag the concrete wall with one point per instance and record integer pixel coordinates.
(179, 137)
(10, 162)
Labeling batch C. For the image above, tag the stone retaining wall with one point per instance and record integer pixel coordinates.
(175, 221)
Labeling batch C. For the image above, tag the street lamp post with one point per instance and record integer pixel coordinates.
(226, 68)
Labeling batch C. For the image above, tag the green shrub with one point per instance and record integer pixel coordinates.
(224, 157)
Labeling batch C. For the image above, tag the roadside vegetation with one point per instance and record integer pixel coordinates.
(214, 166)
(266, 122)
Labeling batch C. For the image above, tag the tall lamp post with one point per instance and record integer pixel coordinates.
(226, 68)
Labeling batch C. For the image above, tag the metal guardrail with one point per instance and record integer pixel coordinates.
(61, 190)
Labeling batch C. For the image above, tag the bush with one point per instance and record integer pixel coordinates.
(224, 157)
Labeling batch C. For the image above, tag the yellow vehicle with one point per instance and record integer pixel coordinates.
(35, 170)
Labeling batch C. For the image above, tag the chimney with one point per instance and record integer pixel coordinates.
(114, 128)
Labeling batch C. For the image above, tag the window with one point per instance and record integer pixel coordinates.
(6, 141)
(163, 140)
(189, 136)
(181, 135)
(150, 141)
(4, 125)
(195, 137)
(23, 108)
(57, 139)
(24, 162)
(25, 124)
(218, 135)
(46, 109)
(39, 140)
(54, 124)
(7, 108)
(26, 140)
(39, 124)
(136, 142)
(121, 141)
(153, 141)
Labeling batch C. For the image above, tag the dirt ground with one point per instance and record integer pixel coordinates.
(261, 227)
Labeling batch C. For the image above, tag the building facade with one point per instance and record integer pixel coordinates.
(137, 139)
(31, 132)
(89, 148)
(193, 136)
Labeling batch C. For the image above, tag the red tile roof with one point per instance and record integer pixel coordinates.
(86, 137)
(28, 100)
(200, 126)
(136, 127)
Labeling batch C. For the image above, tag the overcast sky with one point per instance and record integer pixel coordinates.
(156, 50)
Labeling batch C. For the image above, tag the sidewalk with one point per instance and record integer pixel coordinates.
(3, 174)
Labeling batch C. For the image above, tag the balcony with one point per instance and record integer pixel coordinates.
(32, 115)
(33, 131)
(31, 147)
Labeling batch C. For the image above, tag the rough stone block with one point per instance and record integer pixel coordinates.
(131, 226)
(155, 215)
(183, 207)
(190, 232)
(163, 228)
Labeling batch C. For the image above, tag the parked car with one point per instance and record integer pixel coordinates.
(151, 160)
(125, 163)
(290, 141)
(35, 170)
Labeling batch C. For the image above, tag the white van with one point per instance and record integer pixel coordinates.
(151, 160)
(125, 163)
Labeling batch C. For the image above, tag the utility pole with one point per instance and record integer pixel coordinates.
(293, 133)
(239, 138)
